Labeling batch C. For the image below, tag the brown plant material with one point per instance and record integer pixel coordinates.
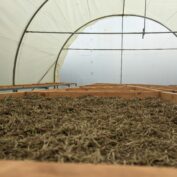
(89, 130)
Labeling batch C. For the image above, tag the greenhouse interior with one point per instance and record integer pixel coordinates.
(88, 88)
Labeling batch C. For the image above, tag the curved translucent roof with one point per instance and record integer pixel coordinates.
(34, 32)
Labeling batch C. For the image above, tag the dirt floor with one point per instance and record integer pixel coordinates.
(89, 130)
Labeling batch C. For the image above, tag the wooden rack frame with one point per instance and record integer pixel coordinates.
(34, 169)
(166, 93)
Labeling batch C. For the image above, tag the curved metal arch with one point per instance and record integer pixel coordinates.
(21, 40)
(100, 18)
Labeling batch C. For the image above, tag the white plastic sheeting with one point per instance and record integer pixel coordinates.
(39, 52)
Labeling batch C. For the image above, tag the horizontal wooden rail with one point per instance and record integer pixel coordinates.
(35, 169)
(122, 91)
(34, 86)
(98, 93)
(171, 97)
(125, 88)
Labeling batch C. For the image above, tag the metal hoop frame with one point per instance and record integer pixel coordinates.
(97, 19)
(21, 40)
(69, 38)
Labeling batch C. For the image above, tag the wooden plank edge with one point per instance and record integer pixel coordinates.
(170, 97)
(36, 169)
(126, 95)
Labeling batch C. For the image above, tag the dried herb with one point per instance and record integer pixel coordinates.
(89, 130)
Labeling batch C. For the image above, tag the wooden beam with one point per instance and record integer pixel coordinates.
(12, 95)
(31, 86)
(98, 93)
(170, 97)
(35, 169)
(123, 91)
(105, 89)
(172, 89)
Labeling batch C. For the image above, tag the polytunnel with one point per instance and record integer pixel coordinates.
(34, 32)
(112, 128)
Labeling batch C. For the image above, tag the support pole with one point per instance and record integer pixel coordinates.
(122, 43)
(145, 14)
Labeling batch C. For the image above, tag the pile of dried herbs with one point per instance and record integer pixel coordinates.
(89, 130)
